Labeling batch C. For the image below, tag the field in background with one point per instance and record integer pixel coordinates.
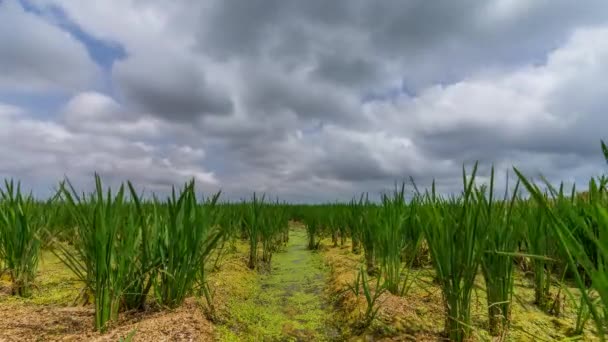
(110, 265)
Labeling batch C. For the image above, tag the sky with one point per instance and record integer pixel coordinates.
(305, 100)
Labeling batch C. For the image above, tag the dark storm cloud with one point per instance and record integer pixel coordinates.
(238, 28)
(347, 70)
(268, 95)
(432, 40)
(355, 163)
(271, 92)
(175, 89)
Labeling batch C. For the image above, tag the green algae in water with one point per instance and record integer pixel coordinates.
(287, 304)
(54, 284)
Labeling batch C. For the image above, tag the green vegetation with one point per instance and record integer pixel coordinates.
(186, 239)
(452, 229)
(19, 237)
(286, 304)
(253, 221)
(498, 247)
(583, 238)
(105, 247)
(133, 251)
(361, 285)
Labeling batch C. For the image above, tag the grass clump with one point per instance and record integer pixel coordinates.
(452, 230)
(499, 246)
(20, 229)
(583, 240)
(105, 246)
(123, 248)
(389, 240)
(186, 239)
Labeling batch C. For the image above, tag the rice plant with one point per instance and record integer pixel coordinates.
(368, 222)
(59, 222)
(253, 222)
(390, 238)
(353, 219)
(332, 224)
(361, 219)
(412, 251)
(144, 269)
(499, 245)
(105, 248)
(272, 233)
(575, 251)
(360, 285)
(451, 228)
(313, 228)
(20, 229)
(186, 239)
(596, 231)
(342, 222)
(583, 313)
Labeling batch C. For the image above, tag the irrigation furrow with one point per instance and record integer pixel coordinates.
(288, 303)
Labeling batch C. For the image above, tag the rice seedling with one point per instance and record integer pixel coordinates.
(20, 228)
(333, 224)
(575, 251)
(59, 222)
(105, 247)
(371, 294)
(353, 219)
(583, 314)
(595, 230)
(451, 228)
(145, 265)
(390, 238)
(253, 221)
(186, 239)
(499, 246)
(128, 337)
(412, 253)
(272, 233)
(368, 232)
(342, 222)
(313, 228)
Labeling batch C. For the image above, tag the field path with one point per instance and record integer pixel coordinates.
(287, 304)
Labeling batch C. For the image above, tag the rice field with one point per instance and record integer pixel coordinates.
(113, 264)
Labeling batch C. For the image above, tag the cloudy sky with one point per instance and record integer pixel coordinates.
(306, 100)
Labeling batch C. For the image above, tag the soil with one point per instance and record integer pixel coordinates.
(286, 303)
(50, 314)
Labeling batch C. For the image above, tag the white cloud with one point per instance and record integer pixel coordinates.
(44, 149)
(96, 113)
